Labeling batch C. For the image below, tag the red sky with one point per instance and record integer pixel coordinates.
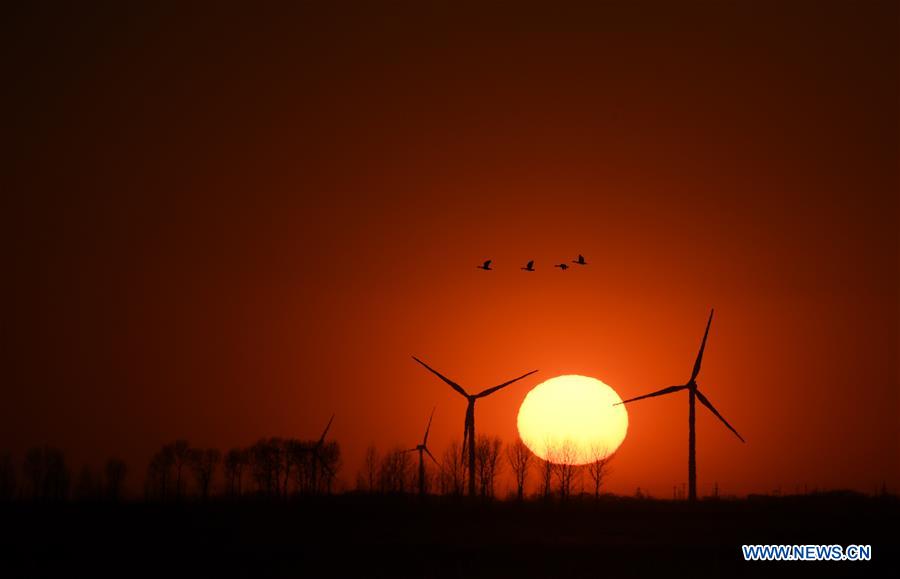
(223, 225)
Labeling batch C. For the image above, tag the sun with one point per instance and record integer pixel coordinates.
(572, 419)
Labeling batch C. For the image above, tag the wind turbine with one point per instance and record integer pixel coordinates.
(423, 448)
(469, 431)
(693, 393)
(317, 458)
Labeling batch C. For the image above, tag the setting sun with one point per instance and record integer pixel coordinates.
(572, 419)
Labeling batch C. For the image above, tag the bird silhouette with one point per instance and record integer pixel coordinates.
(528, 266)
(562, 266)
(485, 266)
(580, 260)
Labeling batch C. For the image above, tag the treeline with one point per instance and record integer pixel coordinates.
(281, 468)
(45, 476)
(398, 471)
(273, 468)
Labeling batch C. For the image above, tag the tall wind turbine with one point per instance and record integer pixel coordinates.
(318, 459)
(693, 393)
(423, 448)
(469, 431)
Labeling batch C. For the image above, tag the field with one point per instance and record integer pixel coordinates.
(400, 536)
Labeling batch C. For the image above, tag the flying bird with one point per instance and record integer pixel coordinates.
(528, 266)
(562, 266)
(485, 266)
(693, 394)
(580, 260)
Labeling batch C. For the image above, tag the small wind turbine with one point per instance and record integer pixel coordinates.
(469, 431)
(693, 393)
(423, 448)
(318, 459)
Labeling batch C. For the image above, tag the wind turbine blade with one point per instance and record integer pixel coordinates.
(702, 347)
(484, 393)
(408, 450)
(703, 400)
(322, 438)
(452, 384)
(425, 441)
(428, 452)
(668, 390)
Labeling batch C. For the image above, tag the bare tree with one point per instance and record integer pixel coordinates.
(180, 451)
(86, 485)
(547, 469)
(235, 461)
(396, 472)
(47, 474)
(263, 459)
(203, 464)
(453, 470)
(370, 468)
(519, 457)
(33, 469)
(598, 468)
(7, 477)
(330, 462)
(487, 463)
(159, 474)
(565, 467)
(115, 472)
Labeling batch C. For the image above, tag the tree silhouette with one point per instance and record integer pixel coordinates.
(236, 460)
(159, 474)
(370, 468)
(33, 469)
(86, 485)
(487, 463)
(7, 477)
(330, 459)
(565, 468)
(396, 472)
(598, 468)
(180, 451)
(453, 470)
(263, 459)
(547, 470)
(115, 471)
(47, 474)
(203, 464)
(519, 457)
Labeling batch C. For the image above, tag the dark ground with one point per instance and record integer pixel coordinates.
(366, 536)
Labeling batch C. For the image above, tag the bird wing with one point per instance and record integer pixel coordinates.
(702, 347)
(708, 404)
(450, 382)
(530, 264)
(427, 428)
(484, 393)
(668, 390)
(487, 264)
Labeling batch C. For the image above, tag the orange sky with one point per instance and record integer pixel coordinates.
(223, 226)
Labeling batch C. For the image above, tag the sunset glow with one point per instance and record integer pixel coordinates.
(572, 419)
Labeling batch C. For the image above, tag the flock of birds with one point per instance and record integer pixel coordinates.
(530, 265)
